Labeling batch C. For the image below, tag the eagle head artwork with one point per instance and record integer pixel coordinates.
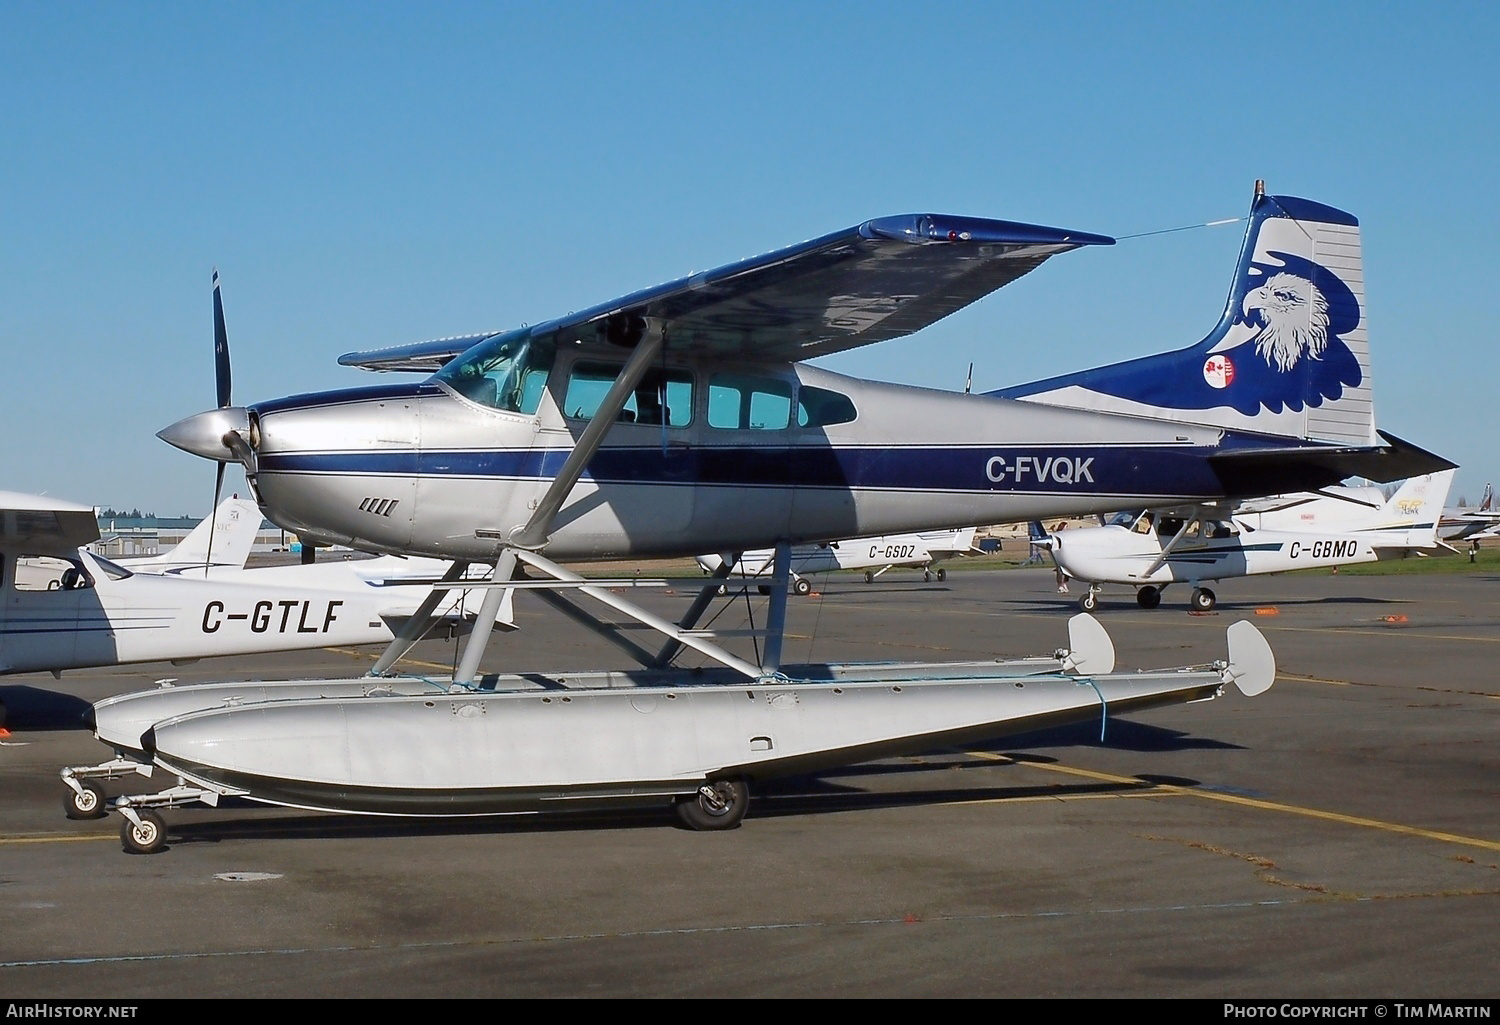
(1294, 315)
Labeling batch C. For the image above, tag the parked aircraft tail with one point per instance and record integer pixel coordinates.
(1487, 502)
(1289, 357)
(1409, 518)
(233, 527)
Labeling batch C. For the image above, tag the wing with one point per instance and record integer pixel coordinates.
(45, 525)
(876, 281)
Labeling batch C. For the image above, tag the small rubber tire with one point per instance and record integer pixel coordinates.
(869, 577)
(801, 586)
(88, 805)
(942, 575)
(1148, 597)
(1088, 601)
(147, 838)
(720, 804)
(1202, 599)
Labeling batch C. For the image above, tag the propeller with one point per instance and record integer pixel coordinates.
(222, 382)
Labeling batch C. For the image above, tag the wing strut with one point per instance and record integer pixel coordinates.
(1161, 560)
(534, 534)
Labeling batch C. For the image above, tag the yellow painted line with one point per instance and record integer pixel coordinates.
(1153, 792)
(1251, 802)
(1316, 679)
(1394, 630)
(12, 841)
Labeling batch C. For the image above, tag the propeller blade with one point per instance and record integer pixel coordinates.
(221, 345)
(208, 553)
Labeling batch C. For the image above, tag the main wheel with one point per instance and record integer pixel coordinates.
(717, 805)
(942, 574)
(764, 588)
(869, 577)
(801, 586)
(927, 576)
(87, 805)
(1202, 599)
(1148, 597)
(1088, 601)
(147, 838)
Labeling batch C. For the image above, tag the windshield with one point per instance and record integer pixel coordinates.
(506, 372)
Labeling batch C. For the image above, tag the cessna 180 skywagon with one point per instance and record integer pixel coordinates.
(684, 419)
(1198, 545)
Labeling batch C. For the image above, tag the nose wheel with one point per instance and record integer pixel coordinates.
(1089, 600)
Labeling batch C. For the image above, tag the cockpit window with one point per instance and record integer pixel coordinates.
(49, 573)
(507, 372)
(663, 395)
(1124, 519)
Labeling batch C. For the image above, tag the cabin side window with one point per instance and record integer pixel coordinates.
(746, 402)
(819, 407)
(507, 372)
(49, 573)
(662, 396)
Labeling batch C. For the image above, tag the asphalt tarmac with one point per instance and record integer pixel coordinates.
(1338, 836)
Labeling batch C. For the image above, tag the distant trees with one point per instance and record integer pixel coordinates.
(121, 514)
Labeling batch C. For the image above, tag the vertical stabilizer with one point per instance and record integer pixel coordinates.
(1410, 517)
(1289, 357)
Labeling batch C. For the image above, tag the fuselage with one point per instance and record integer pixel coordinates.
(749, 456)
(94, 613)
(1117, 555)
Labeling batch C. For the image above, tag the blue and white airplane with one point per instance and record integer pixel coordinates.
(685, 418)
(1198, 545)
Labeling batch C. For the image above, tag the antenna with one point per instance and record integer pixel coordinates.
(969, 384)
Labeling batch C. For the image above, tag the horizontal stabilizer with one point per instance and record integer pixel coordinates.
(1273, 470)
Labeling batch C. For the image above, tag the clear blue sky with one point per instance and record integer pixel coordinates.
(368, 174)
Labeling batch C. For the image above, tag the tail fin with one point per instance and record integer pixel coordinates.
(1289, 356)
(1488, 500)
(1410, 517)
(237, 522)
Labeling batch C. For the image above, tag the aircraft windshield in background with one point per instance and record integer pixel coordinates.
(874, 555)
(683, 419)
(1149, 550)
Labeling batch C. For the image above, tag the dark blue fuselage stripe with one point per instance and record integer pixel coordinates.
(1088, 470)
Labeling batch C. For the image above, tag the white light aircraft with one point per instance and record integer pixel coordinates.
(925, 550)
(63, 607)
(684, 419)
(1461, 524)
(1197, 545)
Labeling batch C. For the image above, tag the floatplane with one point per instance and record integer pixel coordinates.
(684, 419)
